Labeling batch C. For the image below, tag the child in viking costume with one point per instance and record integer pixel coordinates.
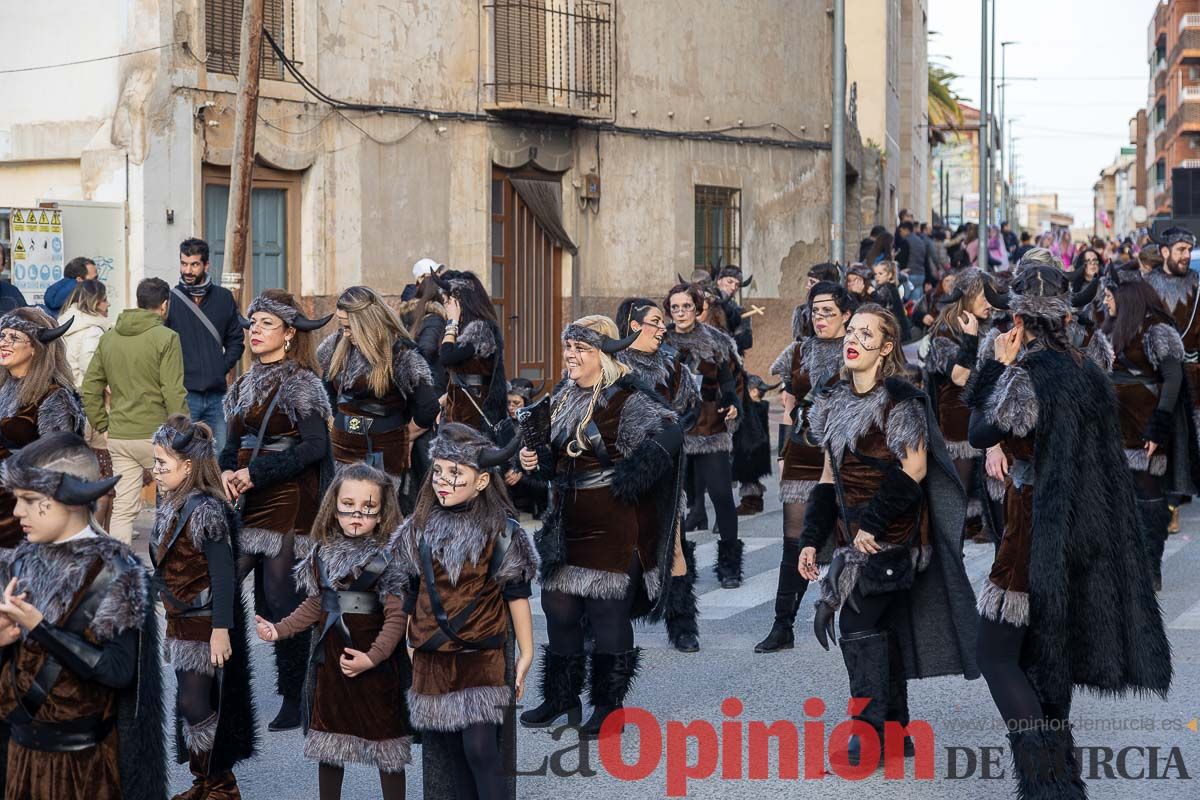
(81, 687)
(354, 595)
(470, 565)
(192, 552)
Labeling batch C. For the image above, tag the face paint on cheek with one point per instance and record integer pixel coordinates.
(43, 507)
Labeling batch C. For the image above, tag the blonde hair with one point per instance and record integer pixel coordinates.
(49, 367)
(890, 266)
(611, 371)
(374, 326)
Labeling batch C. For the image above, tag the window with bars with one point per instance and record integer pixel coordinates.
(718, 226)
(223, 34)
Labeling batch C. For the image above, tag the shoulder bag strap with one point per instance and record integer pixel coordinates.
(195, 309)
(240, 503)
(446, 626)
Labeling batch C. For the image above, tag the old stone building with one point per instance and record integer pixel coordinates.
(572, 152)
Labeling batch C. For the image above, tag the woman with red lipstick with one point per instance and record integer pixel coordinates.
(275, 461)
(472, 354)
(609, 539)
(807, 367)
(378, 382)
(661, 367)
(711, 354)
(889, 492)
(37, 394)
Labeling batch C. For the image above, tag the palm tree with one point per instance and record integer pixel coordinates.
(943, 100)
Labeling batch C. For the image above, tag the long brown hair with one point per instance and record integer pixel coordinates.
(492, 501)
(326, 527)
(206, 474)
(894, 363)
(49, 366)
(428, 294)
(375, 327)
(303, 350)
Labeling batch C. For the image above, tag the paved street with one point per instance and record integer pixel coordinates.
(675, 686)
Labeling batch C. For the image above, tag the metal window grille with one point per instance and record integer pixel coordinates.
(718, 226)
(554, 54)
(223, 33)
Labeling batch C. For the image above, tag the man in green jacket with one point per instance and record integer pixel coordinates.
(141, 363)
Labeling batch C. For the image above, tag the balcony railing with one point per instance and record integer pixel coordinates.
(1187, 93)
(1190, 163)
(1189, 21)
(553, 57)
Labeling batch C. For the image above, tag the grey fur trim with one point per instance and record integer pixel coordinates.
(974, 508)
(906, 427)
(454, 538)
(465, 453)
(1100, 350)
(584, 582)
(579, 333)
(207, 523)
(302, 393)
(751, 489)
(652, 580)
(987, 346)
(714, 443)
(996, 489)
(1162, 343)
(1140, 462)
(124, 606)
(961, 450)
(1013, 405)
(568, 407)
(782, 366)
(25, 326)
(386, 755)
(798, 322)
(1174, 289)
(706, 343)
(197, 449)
(325, 351)
(260, 541)
(641, 417)
(942, 352)
(821, 359)
(840, 417)
(282, 310)
(1003, 605)
(479, 334)
(16, 475)
(200, 738)
(409, 369)
(521, 561)
(60, 411)
(343, 557)
(454, 711)
(403, 544)
(1053, 307)
(832, 595)
(652, 368)
(10, 390)
(302, 545)
(185, 656)
(796, 491)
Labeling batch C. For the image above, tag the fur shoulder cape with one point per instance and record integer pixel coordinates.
(409, 369)
(1094, 620)
(301, 392)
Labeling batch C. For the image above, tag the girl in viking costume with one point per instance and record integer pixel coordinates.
(37, 393)
(81, 688)
(274, 462)
(889, 489)
(608, 542)
(379, 384)
(469, 565)
(1054, 614)
(472, 354)
(354, 595)
(192, 551)
(712, 355)
(660, 366)
(1148, 377)
(807, 367)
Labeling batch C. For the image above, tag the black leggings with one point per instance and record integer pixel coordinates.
(790, 579)
(713, 473)
(480, 769)
(329, 782)
(273, 580)
(998, 651)
(612, 627)
(193, 696)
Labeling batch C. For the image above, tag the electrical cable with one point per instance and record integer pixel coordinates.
(88, 60)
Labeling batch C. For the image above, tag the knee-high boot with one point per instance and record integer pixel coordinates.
(788, 592)
(1046, 765)
(1155, 518)
(897, 705)
(562, 683)
(291, 668)
(729, 563)
(866, 657)
(681, 615)
(612, 675)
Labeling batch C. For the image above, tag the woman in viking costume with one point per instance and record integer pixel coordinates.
(37, 393)
(192, 551)
(711, 354)
(81, 689)
(354, 597)
(608, 542)
(1055, 614)
(469, 565)
(472, 354)
(274, 465)
(807, 367)
(660, 366)
(1151, 400)
(953, 350)
(378, 383)
(890, 491)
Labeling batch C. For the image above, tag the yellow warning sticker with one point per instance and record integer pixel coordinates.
(19, 251)
(56, 223)
(17, 219)
(44, 223)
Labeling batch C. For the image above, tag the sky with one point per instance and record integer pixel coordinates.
(1091, 64)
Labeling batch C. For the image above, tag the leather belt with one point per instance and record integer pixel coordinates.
(1128, 379)
(359, 602)
(62, 737)
(468, 380)
(368, 423)
(273, 444)
(591, 479)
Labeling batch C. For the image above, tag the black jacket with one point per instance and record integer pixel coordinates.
(205, 364)
(10, 297)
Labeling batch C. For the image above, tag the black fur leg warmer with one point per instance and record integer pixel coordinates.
(682, 615)
(1045, 764)
(729, 559)
(562, 677)
(611, 677)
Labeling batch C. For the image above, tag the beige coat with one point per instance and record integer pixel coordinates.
(81, 340)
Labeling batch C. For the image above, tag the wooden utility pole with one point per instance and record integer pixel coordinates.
(241, 172)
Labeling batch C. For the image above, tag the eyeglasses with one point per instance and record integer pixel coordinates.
(13, 338)
(1091, 261)
(688, 307)
(825, 314)
(358, 513)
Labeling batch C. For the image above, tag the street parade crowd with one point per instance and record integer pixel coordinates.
(368, 486)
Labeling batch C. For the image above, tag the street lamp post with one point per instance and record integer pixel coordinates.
(1003, 123)
(837, 228)
(984, 182)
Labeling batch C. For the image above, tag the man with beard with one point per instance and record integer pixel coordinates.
(206, 319)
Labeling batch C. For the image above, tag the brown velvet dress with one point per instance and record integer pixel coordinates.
(1010, 569)
(1138, 385)
(1179, 295)
(953, 415)
(469, 380)
(860, 482)
(804, 462)
(184, 571)
(708, 352)
(20, 429)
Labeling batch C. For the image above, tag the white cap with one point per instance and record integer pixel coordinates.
(424, 267)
